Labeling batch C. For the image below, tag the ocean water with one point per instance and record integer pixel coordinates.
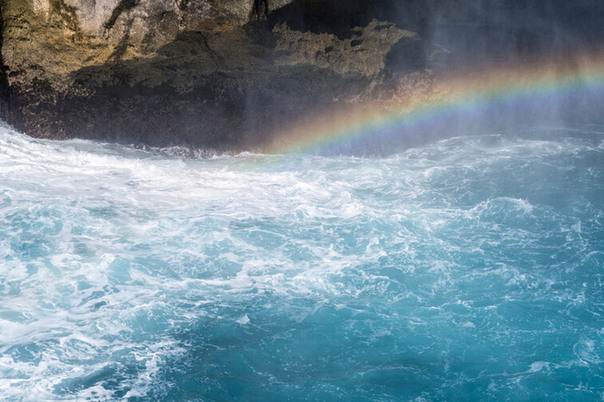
(467, 268)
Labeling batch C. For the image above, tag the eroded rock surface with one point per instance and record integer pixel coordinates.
(207, 73)
(232, 73)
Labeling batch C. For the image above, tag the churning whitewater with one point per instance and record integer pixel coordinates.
(466, 268)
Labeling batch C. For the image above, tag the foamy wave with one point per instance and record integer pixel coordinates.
(139, 273)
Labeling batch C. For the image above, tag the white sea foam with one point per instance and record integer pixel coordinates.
(122, 266)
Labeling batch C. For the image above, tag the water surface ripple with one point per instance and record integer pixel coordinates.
(469, 268)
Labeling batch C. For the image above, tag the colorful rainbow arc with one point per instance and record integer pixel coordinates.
(464, 95)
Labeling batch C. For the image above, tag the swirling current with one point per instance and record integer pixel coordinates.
(468, 268)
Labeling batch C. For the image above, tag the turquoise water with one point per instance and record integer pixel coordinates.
(468, 268)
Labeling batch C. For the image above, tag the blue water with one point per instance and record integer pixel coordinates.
(469, 268)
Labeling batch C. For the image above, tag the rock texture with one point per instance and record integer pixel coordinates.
(232, 74)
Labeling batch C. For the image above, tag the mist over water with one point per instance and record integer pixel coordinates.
(454, 254)
(467, 267)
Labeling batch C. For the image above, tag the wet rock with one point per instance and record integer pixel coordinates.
(216, 73)
(197, 72)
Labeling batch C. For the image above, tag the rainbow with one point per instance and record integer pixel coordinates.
(449, 101)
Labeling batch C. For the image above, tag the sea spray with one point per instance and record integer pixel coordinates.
(465, 268)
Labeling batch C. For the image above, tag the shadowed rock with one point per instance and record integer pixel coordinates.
(213, 74)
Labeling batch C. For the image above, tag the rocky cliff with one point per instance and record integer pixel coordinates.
(233, 73)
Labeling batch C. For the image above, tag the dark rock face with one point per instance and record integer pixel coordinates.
(4, 85)
(228, 75)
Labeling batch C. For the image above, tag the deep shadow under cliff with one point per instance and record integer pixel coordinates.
(237, 88)
(4, 85)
